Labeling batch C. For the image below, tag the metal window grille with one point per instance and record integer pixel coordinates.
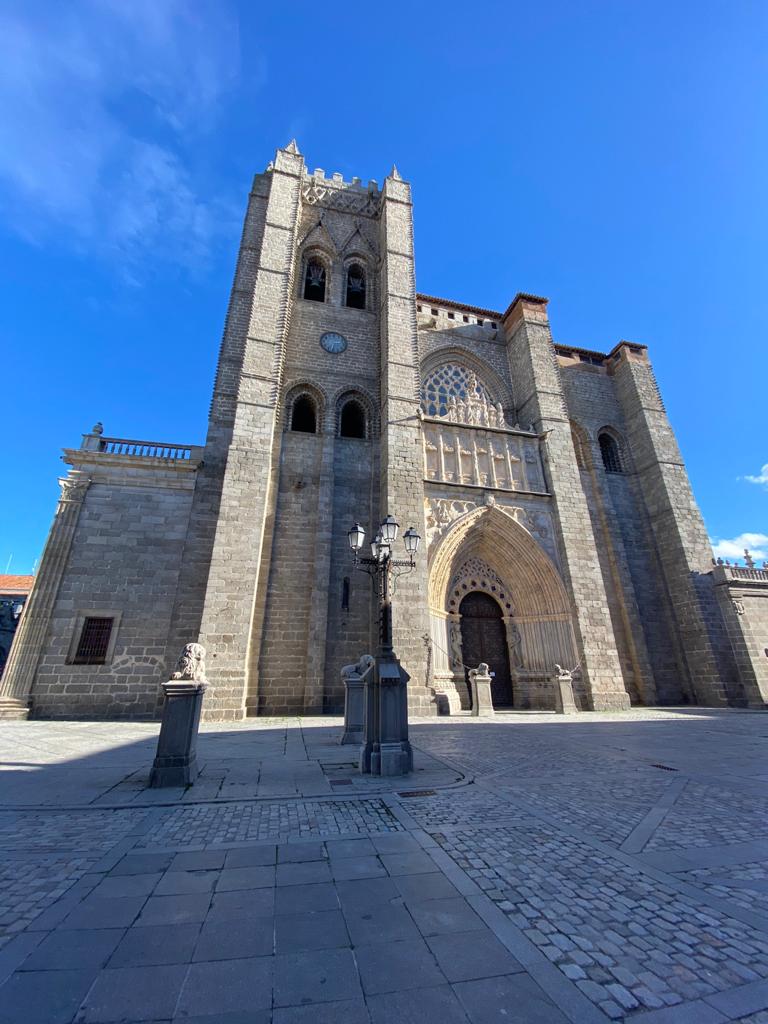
(610, 453)
(94, 641)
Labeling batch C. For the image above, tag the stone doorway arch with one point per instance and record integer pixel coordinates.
(488, 549)
(484, 639)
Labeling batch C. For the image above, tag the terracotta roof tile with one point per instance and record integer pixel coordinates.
(11, 584)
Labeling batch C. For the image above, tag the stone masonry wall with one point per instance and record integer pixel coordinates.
(539, 393)
(246, 495)
(340, 475)
(679, 532)
(640, 608)
(402, 461)
(742, 595)
(124, 561)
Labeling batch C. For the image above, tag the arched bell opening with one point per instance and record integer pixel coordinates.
(487, 550)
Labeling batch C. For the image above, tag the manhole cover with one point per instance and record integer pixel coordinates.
(341, 782)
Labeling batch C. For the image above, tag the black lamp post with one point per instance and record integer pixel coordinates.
(386, 749)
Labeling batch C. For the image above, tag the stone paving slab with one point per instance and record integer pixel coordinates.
(607, 867)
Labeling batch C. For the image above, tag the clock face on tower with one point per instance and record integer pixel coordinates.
(333, 342)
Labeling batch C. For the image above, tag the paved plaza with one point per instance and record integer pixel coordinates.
(533, 869)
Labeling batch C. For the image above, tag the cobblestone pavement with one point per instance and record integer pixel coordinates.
(535, 870)
(239, 822)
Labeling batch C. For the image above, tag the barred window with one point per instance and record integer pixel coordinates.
(609, 450)
(447, 380)
(93, 644)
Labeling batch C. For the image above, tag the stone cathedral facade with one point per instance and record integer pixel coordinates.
(558, 522)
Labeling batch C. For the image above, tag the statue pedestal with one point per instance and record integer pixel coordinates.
(386, 749)
(176, 758)
(565, 703)
(480, 684)
(354, 703)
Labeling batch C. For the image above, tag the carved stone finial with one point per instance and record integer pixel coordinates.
(749, 559)
(395, 174)
(292, 147)
(191, 664)
(97, 428)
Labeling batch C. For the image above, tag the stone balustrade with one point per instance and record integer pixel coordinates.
(96, 442)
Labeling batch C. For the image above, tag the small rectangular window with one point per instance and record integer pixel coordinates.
(480, 321)
(494, 325)
(345, 594)
(433, 312)
(466, 319)
(93, 644)
(418, 309)
(451, 316)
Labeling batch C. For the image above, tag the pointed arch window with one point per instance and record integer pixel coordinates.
(304, 415)
(352, 420)
(609, 450)
(355, 291)
(314, 280)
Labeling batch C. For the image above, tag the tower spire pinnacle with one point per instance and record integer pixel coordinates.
(292, 147)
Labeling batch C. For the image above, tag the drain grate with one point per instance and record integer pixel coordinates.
(341, 782)
(664, 767)
(418, 792)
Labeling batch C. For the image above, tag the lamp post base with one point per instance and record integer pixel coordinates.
(386, 749)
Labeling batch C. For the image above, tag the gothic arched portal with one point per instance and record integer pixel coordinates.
(523, 581)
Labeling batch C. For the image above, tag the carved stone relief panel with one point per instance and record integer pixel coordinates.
(457, 454)
(440, 513)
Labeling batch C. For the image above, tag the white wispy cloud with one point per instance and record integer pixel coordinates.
(761, 478)
(98, 97)
(733, 548)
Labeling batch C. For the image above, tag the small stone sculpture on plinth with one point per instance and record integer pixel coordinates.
(353, 677)
(176, 758)
(480, 685)
(565, 703)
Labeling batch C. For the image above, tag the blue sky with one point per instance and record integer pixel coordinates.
(610, 155)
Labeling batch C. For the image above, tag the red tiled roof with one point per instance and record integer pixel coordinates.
(11, 584)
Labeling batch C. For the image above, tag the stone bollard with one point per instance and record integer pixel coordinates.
(175, 762)
(565, 703)
(480, 684)
(353, 677)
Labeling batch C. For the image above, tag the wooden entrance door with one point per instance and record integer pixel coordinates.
(484, 638)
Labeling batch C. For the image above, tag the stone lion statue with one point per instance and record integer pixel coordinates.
(191, 664)
(359, 668)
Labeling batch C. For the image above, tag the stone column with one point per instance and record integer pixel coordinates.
(16, 685)
(402, 472)
(540, 401)
(684, 550)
